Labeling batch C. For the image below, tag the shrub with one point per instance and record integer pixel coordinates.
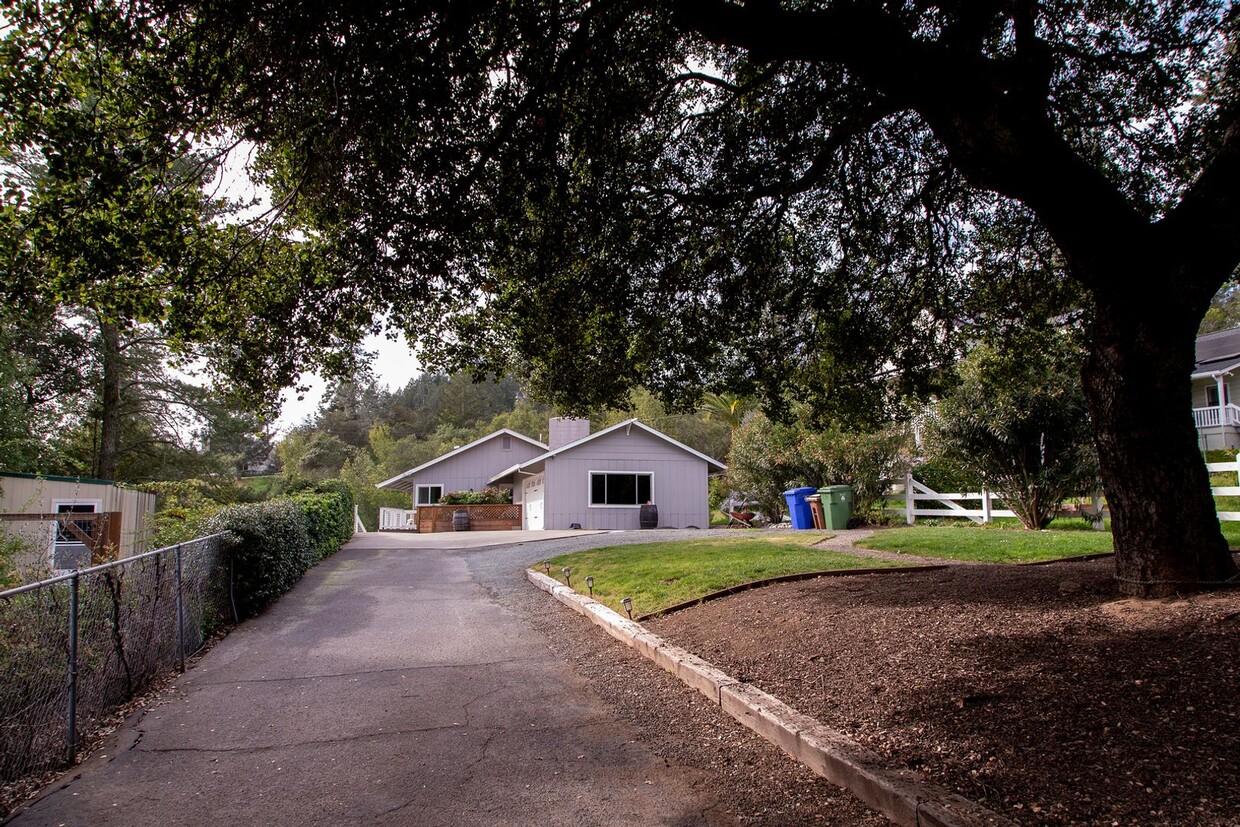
(768, 458)
(269, 549)
(329, 520)
(487, 496)
(1018, 421)
(938, 475)
(867, 461)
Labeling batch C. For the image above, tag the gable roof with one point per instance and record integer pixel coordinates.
(627, 424)
(1217, 352)
(394, 481)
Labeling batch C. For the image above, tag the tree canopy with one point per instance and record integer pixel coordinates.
(787, 199)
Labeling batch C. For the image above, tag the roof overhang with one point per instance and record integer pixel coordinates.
(535, 465)
(404, 482)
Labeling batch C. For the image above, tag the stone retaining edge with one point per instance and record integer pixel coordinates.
(899, 795)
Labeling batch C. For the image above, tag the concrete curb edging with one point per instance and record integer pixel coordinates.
(899, 795)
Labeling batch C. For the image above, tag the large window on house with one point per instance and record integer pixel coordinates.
(428, 494)
(619, 489)
(1212, 395)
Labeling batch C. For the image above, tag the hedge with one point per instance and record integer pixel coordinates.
(272, 544)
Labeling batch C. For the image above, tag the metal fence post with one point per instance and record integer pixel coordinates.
(73, 642)
(180, 614)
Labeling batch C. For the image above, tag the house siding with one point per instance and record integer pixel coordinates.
(471, 469)
(678, 483)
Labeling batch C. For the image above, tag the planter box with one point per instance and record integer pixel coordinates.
(433, 518)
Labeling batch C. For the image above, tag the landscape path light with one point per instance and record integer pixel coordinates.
(590, 583)
(628, 606)
(568, 575)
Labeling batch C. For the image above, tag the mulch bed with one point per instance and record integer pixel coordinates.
(1039, 692)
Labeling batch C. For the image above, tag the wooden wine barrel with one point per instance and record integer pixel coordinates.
(460, 520)
(649, 517)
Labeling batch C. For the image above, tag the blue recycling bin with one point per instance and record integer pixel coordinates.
(798, 507)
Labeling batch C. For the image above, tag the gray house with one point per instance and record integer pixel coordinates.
(1218, 361)
(601, 480)
(467, 468)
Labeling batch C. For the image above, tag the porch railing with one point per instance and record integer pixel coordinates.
(1211, 418)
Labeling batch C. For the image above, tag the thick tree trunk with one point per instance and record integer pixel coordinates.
(110, 402)
(1166, 531)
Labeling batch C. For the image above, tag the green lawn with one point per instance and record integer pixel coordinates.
(263, 486)
(658, 575)
(997, 543)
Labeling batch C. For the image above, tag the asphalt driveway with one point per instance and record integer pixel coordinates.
(398, 683)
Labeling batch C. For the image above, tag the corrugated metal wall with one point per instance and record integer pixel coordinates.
(22, 495)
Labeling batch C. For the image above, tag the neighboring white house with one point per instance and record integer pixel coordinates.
(1214, 377)
(467, 468)
(601, 480)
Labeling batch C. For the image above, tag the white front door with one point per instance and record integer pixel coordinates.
(532, 502)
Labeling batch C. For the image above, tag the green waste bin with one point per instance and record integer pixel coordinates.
(837, 503)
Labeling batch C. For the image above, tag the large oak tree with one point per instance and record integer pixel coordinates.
(792, 198)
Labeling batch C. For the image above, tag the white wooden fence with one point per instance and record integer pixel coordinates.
(396, 519)
(1226, 490)
(949, 504)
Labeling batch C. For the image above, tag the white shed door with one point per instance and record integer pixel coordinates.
(532, 499)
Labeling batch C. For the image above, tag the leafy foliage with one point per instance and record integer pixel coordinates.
(269, 549)
(1018, 422)
(487, 496)
(768, 458)
(780, 200)
(328, 515)
(273, 543)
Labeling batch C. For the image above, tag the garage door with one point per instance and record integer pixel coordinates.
(532, 502)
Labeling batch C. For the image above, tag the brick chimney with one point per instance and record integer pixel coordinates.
(563, 430)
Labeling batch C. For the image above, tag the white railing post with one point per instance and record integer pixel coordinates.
(985, 506)
(909, 506)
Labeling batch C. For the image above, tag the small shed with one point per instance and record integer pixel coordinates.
(110, 521)
(600, 481)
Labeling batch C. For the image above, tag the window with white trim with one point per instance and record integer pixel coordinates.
(619, 488)
(428, 494)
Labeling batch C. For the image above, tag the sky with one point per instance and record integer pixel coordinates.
(393, 366)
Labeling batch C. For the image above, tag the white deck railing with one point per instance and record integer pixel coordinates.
(396, 519)
(1211, 418)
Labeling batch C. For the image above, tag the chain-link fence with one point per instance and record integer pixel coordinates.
(74, 648)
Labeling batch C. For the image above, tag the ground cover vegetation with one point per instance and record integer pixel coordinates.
(780, 201)
(658, 575)
(993, 543)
